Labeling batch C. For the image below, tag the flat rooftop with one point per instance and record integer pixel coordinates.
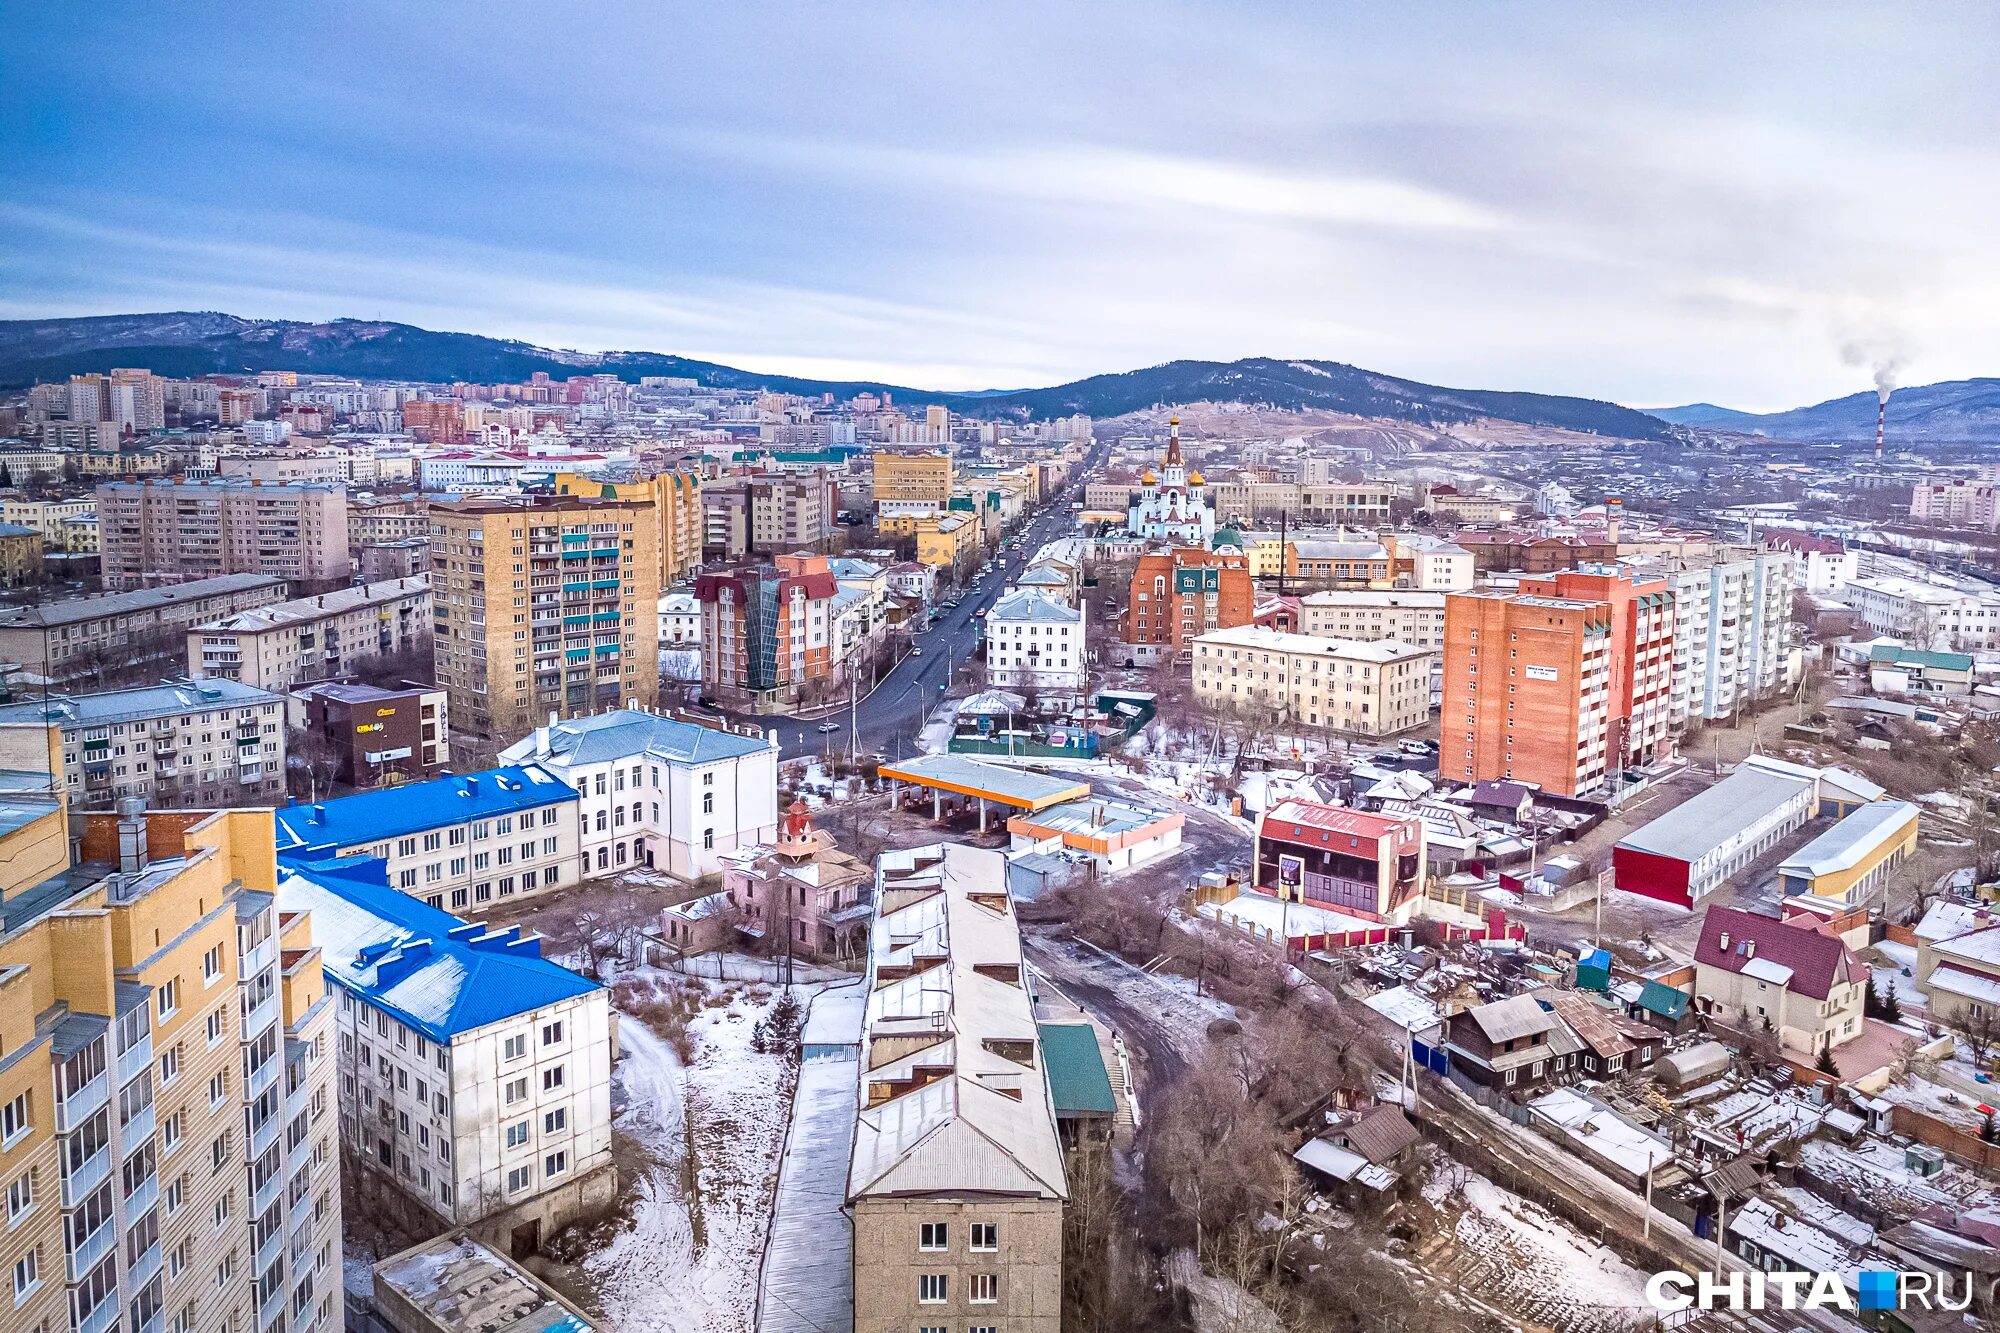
(994, 782)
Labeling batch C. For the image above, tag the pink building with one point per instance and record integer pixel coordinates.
(804, 889)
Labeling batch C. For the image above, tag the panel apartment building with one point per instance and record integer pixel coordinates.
(544, 606)
(475, 1076)
(191, 744)
(1298, 680)
(160, 532)
(68, 640)
(169, 1158)
(911, 483)
(677, 501)
(1560, 685)
(315, 638)
(956, 1185)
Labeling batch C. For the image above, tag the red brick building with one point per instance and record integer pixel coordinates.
(767, 632)
(1180, 594)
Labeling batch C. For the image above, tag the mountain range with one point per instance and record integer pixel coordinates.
(187, 343)
(1955, 411)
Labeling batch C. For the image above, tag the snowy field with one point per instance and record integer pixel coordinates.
(688, 1261)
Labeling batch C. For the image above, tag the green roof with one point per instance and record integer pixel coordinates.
(1658, 997)
(1078, 1083)
(1919, 657)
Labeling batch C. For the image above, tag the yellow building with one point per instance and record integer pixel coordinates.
(20, 555)
(945, 541)
(544, 605)
(677, 497)
(906, 482)
(1852, 860)
(160, 1043)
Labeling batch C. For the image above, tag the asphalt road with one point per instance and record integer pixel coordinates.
(888, 721)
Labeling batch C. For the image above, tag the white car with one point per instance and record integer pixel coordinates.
(825, 727)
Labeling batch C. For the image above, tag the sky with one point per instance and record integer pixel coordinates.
(1749, 204)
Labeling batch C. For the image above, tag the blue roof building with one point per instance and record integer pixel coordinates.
(436, 973)
(324, 828)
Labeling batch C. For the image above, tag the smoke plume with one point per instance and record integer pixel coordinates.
(1882, 355)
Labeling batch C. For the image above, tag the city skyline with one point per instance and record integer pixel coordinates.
(1648, 211)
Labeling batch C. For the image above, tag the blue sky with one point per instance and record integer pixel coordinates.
(1741, 203)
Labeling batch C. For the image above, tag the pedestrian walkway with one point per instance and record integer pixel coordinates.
(807, 1285)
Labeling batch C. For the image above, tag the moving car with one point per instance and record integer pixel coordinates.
(825, 727)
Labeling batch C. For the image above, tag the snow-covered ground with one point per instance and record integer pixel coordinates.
(668, 1272)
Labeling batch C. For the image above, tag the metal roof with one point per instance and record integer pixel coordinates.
(627, 733)
(438, 974)
(1852, 840)
(75, 609)
(306, 610)
(1696, 827)
(1030, 604)
(1517, 1016)
(1078, 1082)
(995, 782)
(110, 706)
(415, 807)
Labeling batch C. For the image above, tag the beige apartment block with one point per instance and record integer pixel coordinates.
(544, 606)
(1415, 618)
(161, 532)
(1371, 689)
(314, 638)
(66, 639)
(167, 1118)
(905, 482)
(57, 521)
(678, 507)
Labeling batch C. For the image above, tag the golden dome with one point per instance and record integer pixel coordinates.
(1147, 478)
(1194, 478)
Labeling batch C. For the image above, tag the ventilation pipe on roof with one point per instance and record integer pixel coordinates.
(1722, 941)
(471, 786)
(1749, 949)
(319, 814)
(131, 835)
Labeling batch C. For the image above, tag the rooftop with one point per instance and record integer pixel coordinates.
(1352, 650)
(76, 609)
(1292, 818)
(372, 816)
(1735, 940)
(1848, 843)
(1030, 604)
(438, 974)
(1696, 827)
(1078, 1082)
(306, 610)
(169, 699)
(968, 777)
(457, 1283)
(627, 733)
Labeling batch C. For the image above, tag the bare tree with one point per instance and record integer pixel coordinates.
(312, 762)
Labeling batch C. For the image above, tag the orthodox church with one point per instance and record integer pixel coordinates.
(1172, 506)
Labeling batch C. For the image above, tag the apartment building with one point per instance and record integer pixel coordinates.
(1432, 564)
(169, 1155)
(544, 605)
(373, 522)
(1640, 720)
(161, 532)
(909, 483)
(1822, 565)
(1034, 642)
(190, 744)
(475, 1076)
(1925, 615)
(67, 639)
(767, 632)
(1182, 593)
(1731, 613)
(657, 791)
(956, 1184)
(315, 638)
(292, 468)
(379, 737)
(20, 555)
(1957, 503)
(1415, 618)
(64, 525)
(133, 400)
(1527, 687)
(1295, 680)
(467, 840)
(677, 498)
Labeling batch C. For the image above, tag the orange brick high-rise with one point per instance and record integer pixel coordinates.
(1178, 595)
(1562, 684)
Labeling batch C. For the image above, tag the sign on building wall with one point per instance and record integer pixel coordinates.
(1541, 673)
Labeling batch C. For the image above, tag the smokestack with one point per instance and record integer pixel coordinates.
(1881, 415)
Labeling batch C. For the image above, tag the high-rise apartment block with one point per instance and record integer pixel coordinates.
(956, 1185)
(169, 1103)
(677, 497)
(768, 513)
(135, 401)
(1562, 684)
(1730, 614)
(1958, 503)
(159, 532)
(544, 606)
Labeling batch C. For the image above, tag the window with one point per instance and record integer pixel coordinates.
(555, 1164)
(985, 1237)
(982, 1288)
(168, 997)
(20, 1197)
(552, 1078)
(517, 1091)
(552, 1033)
(215, 1027)
(931, 1288)
(517, 1133)
(519, 1178)
(514, 1048)
(556, 1121)
(933, 1236)
(27, 1275)
(14, 1119)
(170, 1066)
(211, 965)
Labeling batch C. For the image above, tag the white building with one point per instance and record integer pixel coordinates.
(1173, 506)
(1731, 613)
(475, 1076)
(1925, 615)
(1822, 565)
(1035, 642)
(1415, 618)
(467, 840)
(657, 791)
(1437, 564)
(680, 621)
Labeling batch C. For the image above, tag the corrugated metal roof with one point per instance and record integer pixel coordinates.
(1852, 840)
(415, 807)
(1078, 1082)
(627, 733)
(1694, 828)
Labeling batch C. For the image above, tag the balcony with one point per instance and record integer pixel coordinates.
(273, 1246)
(268, 1195)
(142, 1198)
(140, 1126)
(259, 1018)
(77, 1185)
(272, 1308)
(103, 1316)
(143, 1268)
(135, 1060)
(80, 1105)
(95, 1247)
